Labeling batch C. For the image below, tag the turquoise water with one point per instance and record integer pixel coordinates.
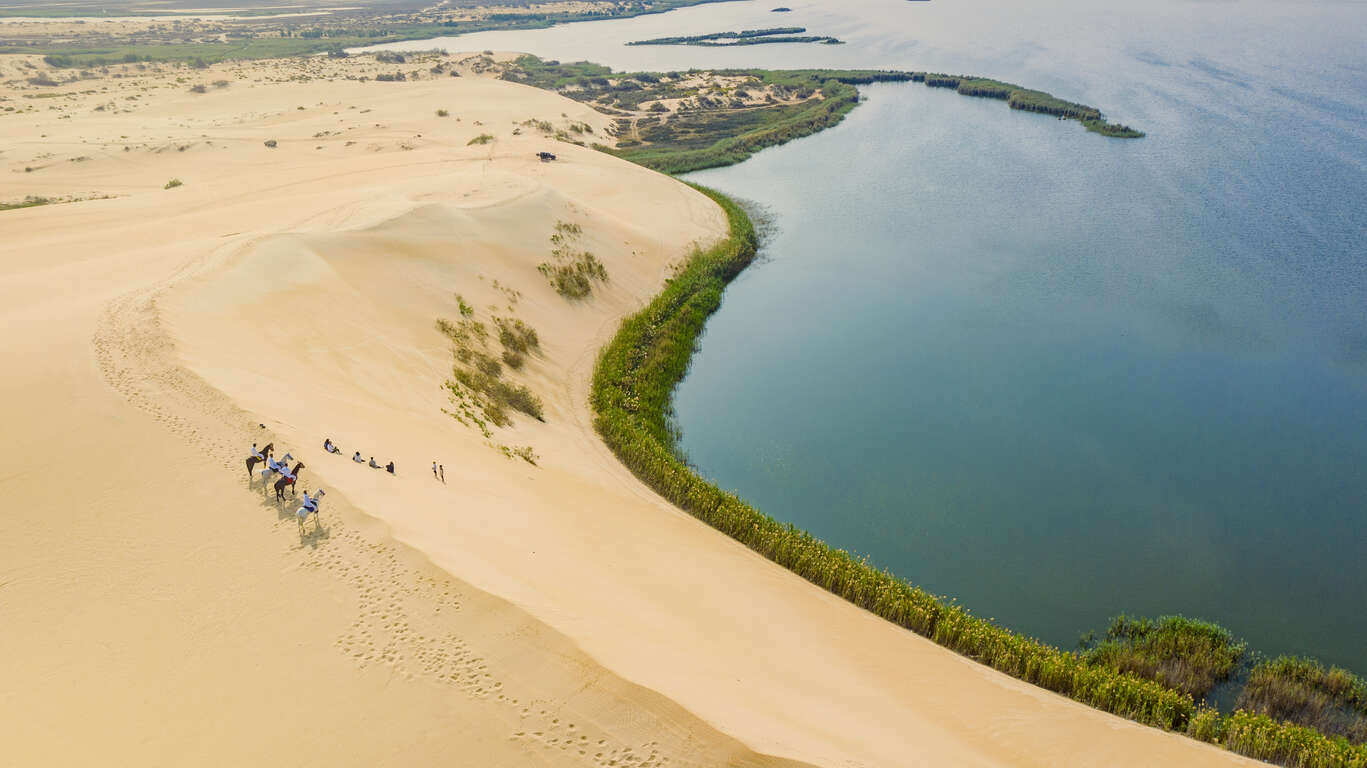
(1053, 375)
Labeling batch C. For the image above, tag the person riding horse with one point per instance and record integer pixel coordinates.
(274, 467)
(258, 457)
(310, 507)
(287, 478)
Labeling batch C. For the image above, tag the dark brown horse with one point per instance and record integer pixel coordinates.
(287, 480)
(253, 461)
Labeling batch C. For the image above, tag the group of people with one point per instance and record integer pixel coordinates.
(310, 505)
(288, 476)
(356, 457)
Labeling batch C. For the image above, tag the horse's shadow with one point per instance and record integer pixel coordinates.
(286, 511)
(312, 535)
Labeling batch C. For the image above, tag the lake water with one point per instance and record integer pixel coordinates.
(1054, 375)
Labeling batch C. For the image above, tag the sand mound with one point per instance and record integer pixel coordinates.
(159, 608)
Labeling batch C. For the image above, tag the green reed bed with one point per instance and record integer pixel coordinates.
(633, 382)
(744, 37)
(1027, 100)
(1306, 692)
(1186, 654)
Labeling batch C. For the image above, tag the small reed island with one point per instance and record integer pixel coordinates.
(745, 37)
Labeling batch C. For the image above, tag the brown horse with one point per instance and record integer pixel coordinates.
(287, 480)
(253, 461)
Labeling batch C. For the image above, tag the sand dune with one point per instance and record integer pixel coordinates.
(158, 609)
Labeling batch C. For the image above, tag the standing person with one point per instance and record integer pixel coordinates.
(443, 474)
(434, 470)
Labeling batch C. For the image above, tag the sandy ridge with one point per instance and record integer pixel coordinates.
(160, 614)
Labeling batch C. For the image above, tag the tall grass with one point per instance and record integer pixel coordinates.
(1306, 692)
(1185, 654)
(632, 384)
(1027, 100)
(477, 387)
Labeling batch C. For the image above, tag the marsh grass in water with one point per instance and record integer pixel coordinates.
(1025, 99)
(1188, 655)
(1306, 692)
(744, 37)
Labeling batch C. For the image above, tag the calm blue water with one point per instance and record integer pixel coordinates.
(1053, 375)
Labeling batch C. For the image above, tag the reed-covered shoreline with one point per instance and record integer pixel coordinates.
(633, 383)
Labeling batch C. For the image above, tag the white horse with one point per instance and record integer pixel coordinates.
(309, 507)
(274, 468)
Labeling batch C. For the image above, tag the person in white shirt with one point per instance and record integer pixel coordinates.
(310, 507)
(257, 454)
(357, 458)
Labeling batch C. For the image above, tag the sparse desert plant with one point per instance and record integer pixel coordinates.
(270, 143)
(516, 335)
(524, 452)
(173, 183)
(31, 201)
(571, 273)
(199, 88)
(443, 113)
(483, 138)
(465, 309)
(478, 390)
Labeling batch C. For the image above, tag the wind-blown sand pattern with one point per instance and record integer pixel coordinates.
(156, 609)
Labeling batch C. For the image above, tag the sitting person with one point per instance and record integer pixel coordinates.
(373, 465)
(329, 447)
(257, 454)
(389, 467)
(357, 458)
(274, 465)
